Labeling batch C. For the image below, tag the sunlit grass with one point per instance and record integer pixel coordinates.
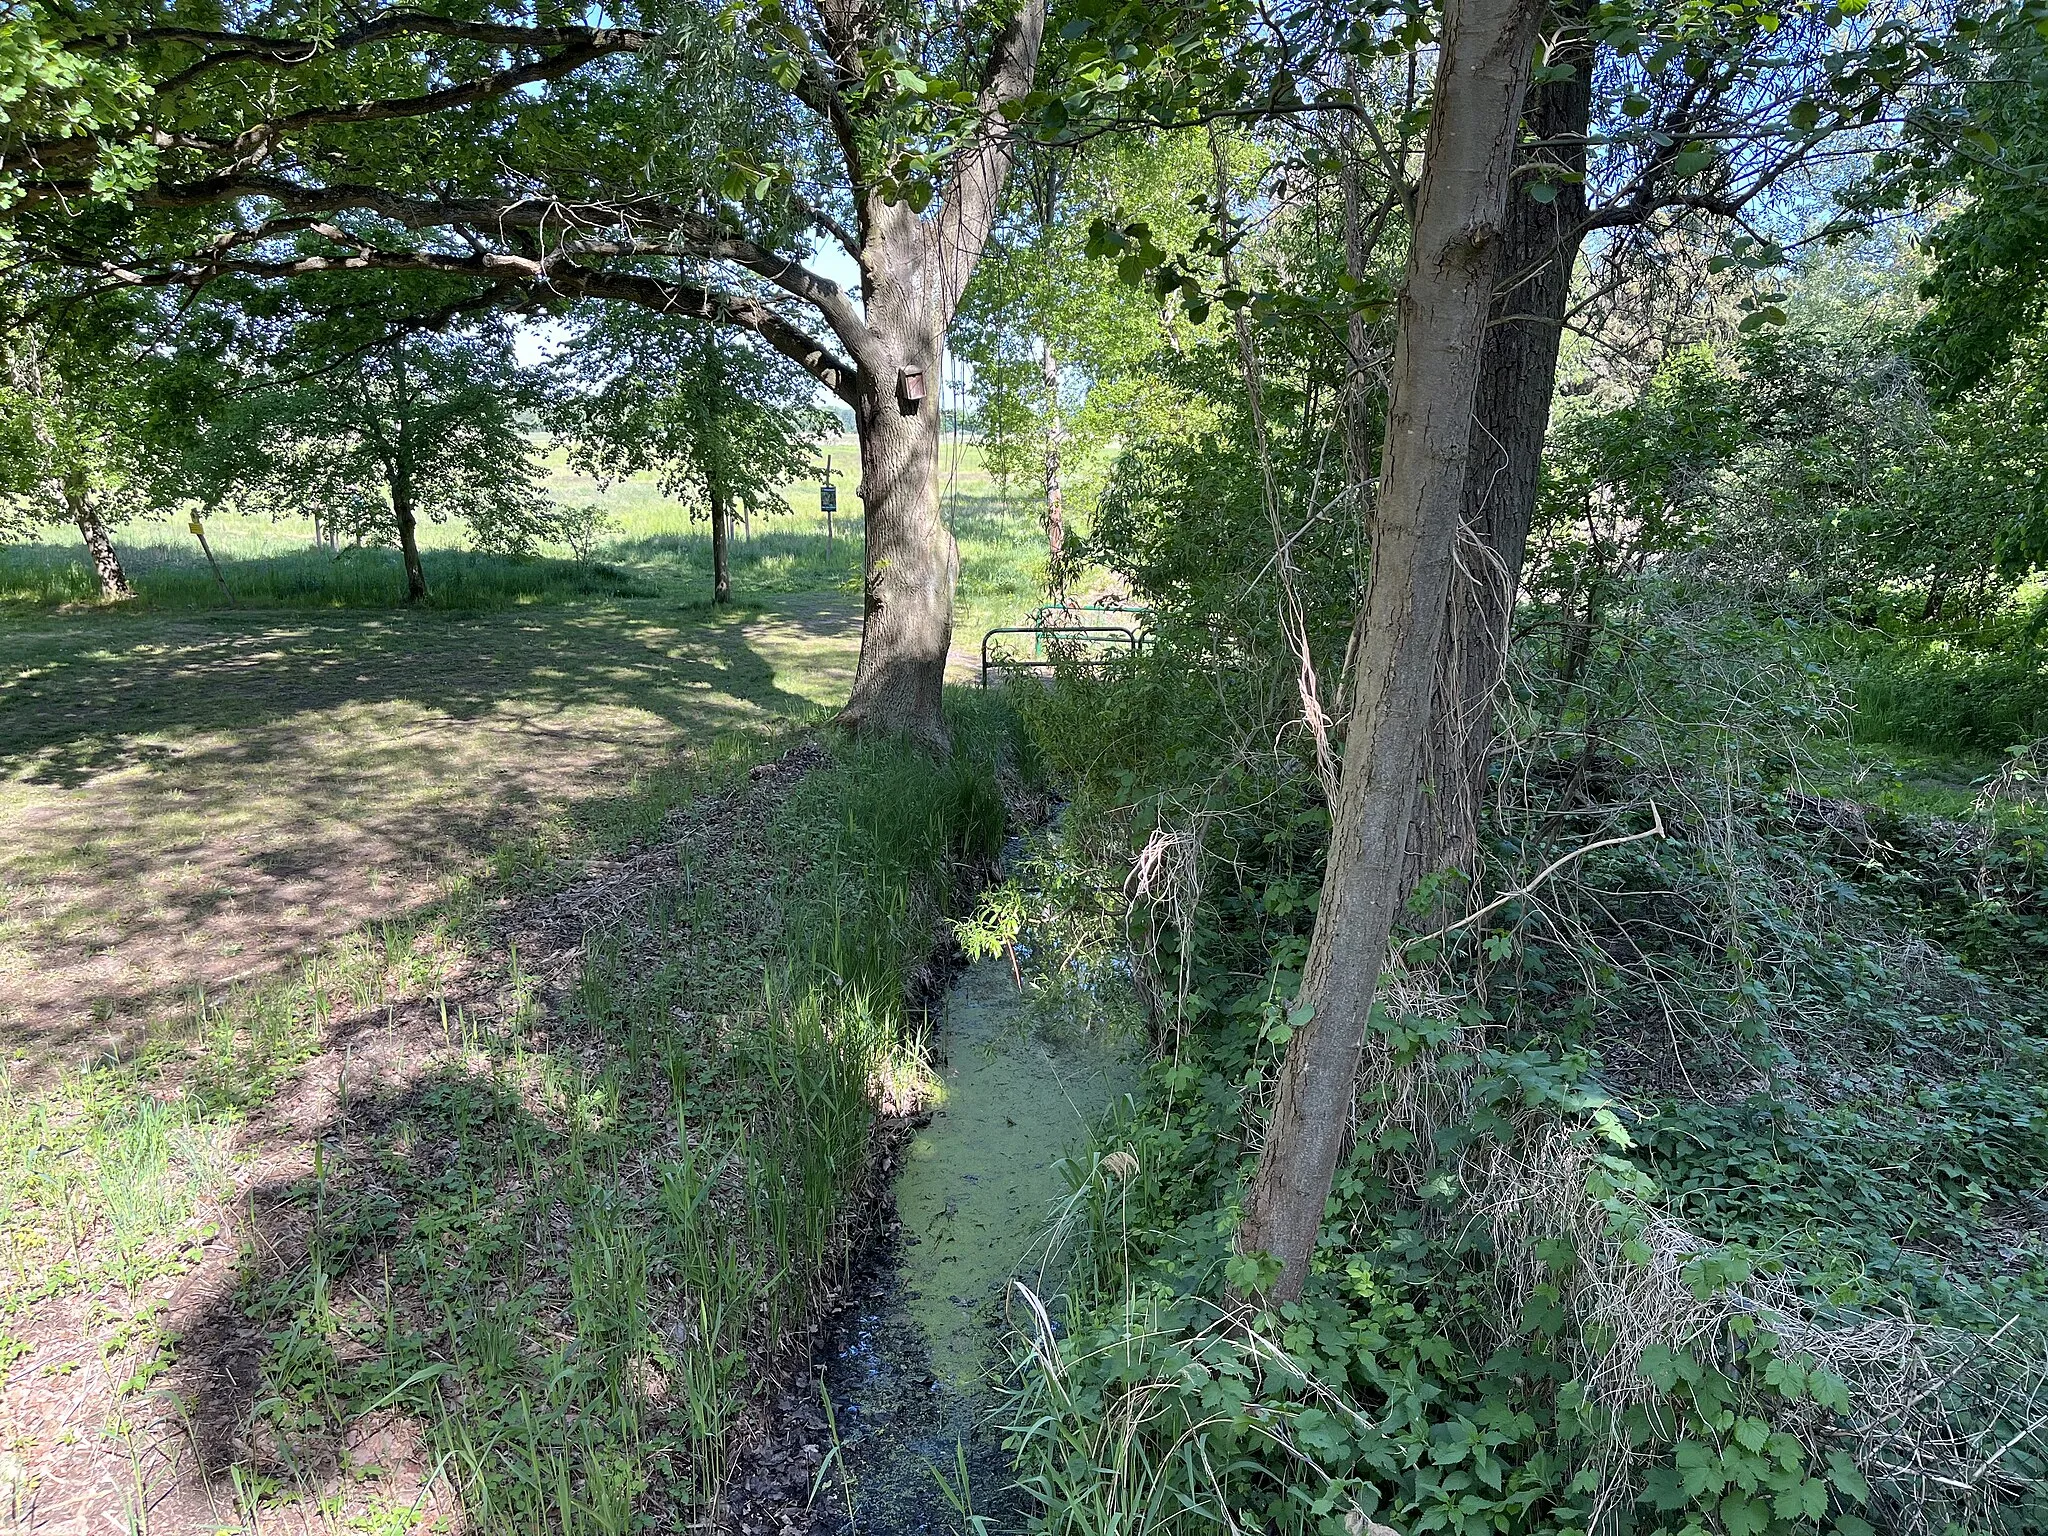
(566, 1248)
(654, 547)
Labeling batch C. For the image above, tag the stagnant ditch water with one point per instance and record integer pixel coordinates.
(910, 1374)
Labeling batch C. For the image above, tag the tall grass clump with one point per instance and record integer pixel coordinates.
(698, 1246)
(710, 1119)
(1949, 695)
(893, 838)
(173, 578)
(770, 562)
(39, 576)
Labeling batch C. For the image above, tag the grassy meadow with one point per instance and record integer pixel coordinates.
(193, 794)
(373, 985)
(650, 547)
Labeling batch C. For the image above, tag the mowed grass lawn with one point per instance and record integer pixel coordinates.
(193, 794)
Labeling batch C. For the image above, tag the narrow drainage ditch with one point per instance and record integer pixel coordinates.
(910, 1373)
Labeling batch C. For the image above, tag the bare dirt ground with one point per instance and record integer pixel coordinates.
(190, 802)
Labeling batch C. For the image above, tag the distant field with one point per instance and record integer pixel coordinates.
(193, 795)
(654, 541)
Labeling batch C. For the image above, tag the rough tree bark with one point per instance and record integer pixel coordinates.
(912, 561)
(99, 544)
(1482, 74)
(914, 269)
(1539, 247)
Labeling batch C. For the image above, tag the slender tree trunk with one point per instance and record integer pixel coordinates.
(1482, 72)
(402, 509)
(99, 544)
(912, 561)
(25, 369)
(721, 526)
(1055, 498)
(1361, 388)
(409, 548)
(1579, 643)
(1511, 415)
(709, 447)
(408, 538)
(1937, 594)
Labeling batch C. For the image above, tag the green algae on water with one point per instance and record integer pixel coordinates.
(980, 1181)
(976, 1191)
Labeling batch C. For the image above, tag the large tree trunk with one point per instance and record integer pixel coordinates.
(1482, 72)
(913, 271)
(1055, 495)
(1511, 415)
(912, 561)
(99, 544)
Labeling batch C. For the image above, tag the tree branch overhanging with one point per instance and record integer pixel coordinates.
(640, 227)
(294, 52)
(526, 280)
(255, 144)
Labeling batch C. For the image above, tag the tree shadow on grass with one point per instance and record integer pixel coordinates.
(83, 692)
(421, 1311)
(451, 1274)
(463, 1254)
(196, 801)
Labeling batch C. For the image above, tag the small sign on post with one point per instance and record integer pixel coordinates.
(828, 497)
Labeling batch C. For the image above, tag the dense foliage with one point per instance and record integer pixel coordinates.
(1649, 1159)
(347, 412)
(716, 422)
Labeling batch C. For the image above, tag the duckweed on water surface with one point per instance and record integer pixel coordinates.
(980, 1182)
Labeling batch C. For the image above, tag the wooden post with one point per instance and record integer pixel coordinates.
(199, 533)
